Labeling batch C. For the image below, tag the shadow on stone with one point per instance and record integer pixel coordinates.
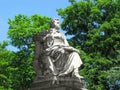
(64, 83)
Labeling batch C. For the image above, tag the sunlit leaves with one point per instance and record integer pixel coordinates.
(21, 31)
(5, 68)
(23, 28)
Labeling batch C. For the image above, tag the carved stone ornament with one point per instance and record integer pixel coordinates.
(55, 61)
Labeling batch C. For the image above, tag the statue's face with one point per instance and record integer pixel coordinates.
(57, 23)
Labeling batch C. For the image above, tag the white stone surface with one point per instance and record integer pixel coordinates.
(54, 56)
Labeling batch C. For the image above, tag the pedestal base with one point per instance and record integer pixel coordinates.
(63, 83)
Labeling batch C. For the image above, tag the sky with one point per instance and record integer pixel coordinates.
(11, 8)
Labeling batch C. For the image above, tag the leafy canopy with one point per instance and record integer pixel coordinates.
(16, 69)
(95, 27)
(23, 28)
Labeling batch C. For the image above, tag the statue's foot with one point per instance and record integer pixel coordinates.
(61, 74)
(55, 80)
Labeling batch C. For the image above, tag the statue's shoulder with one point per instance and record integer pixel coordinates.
(41, 35)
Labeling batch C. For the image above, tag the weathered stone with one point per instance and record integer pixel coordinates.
(64, 83)
(56, 63)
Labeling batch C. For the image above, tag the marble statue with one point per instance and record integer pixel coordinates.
(54, 57)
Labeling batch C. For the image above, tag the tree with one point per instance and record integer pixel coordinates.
(23, 28)
(114, 78)
(5, 68)
(21, 31)
(94, 25)
(23, 73)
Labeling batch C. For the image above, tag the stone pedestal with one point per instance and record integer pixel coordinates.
(63, 83)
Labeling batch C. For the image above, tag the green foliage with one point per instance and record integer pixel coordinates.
(95, 71)
(16, 69)
(21, 31)
(16, 72)
(23, 73)
(114, 78)
(5, 68)
(95, 26)
(77, 20)
(72, 1)
(107, 36)
(23, 28)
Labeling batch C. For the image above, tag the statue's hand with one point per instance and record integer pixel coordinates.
(45, 51)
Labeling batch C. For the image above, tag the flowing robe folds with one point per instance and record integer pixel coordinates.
(60, 58)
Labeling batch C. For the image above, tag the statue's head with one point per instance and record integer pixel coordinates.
(55, 23)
